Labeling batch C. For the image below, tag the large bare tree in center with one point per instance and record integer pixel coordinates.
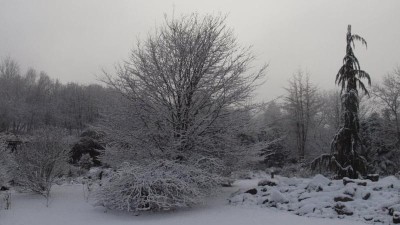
(187, 76)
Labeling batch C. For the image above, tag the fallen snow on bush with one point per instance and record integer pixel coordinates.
(362, 200)
(161, 185)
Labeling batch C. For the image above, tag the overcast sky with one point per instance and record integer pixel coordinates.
(73, 40)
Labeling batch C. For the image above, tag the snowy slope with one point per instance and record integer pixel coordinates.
(68, 207)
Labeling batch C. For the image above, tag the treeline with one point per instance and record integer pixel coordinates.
(294, 128)
(30, 100)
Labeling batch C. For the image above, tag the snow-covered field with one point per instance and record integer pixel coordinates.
(68, 207)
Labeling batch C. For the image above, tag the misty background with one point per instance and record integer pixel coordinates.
(179, 119)
(73, 40)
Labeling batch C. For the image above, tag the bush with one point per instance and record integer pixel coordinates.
(86, 162)
(161, 185)
(6, 164)
(296, 170)
(86, 146)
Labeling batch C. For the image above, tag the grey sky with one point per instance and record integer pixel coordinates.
(73, 40)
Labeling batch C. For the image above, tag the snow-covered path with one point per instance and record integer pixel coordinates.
(68, 207)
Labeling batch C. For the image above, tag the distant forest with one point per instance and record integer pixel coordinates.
(30, 100)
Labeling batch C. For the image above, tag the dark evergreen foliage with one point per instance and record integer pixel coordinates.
(345, 158)
(379, 145)
(88, 144)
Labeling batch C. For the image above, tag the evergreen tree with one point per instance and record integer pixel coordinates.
(345, 159)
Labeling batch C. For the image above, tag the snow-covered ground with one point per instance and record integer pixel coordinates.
(68, 207)
(359, 200)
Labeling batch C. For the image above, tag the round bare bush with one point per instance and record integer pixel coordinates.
(161, 185)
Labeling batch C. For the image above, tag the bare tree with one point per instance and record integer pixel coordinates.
(41, 161)
(302, 104)
(389, 94)
(11, 95)
(184, 78)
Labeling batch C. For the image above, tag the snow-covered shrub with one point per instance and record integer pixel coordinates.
(295, 170)
(74, 172)
(161, 185)
(3, 176)
(5, 199)
(3, 170)
(6, 164)
(41, 161)
(318, 182)
(210, 164)
(85, 161)
(267, 182)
